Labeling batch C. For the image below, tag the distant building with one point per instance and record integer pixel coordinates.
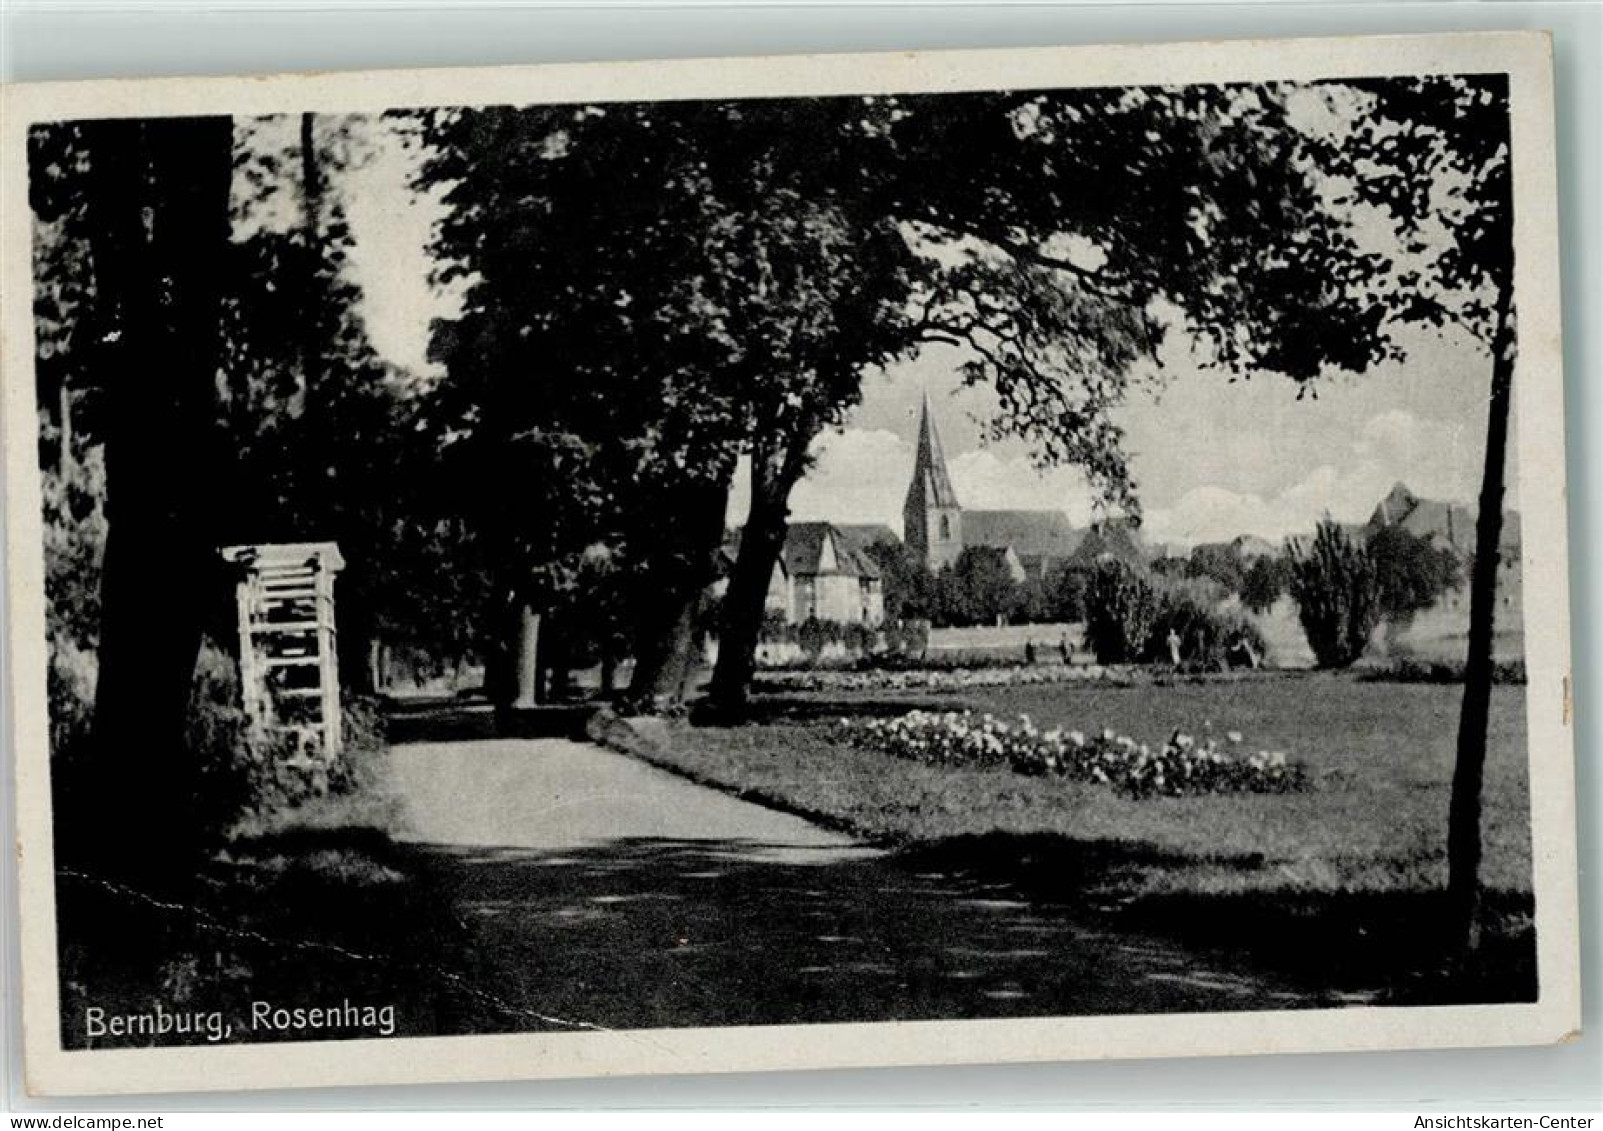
(831, 578)
(938, 528)
(1446, 524)
(1451, 526)
(823, 573)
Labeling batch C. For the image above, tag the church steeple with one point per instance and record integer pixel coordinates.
(932, 517)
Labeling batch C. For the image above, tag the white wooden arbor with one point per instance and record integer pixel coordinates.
(288, 667)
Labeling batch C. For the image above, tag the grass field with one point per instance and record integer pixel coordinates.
(1355, 863)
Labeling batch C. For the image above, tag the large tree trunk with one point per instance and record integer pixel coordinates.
(762, 539)
(685, 567)
(1464, 819)
(160, 200)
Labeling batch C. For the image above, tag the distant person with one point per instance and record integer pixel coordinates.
(1174, 647)
(1063, 647)
(1029, 652)
(1243, 654)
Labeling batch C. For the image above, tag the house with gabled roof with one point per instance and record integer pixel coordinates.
(1452, 526)
(823, 573)
(830, 576)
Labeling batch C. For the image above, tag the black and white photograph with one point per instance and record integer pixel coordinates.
(684, 567)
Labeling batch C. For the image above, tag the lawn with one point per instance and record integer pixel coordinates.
(1357, 859)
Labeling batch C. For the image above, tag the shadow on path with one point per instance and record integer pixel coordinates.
(658, 932)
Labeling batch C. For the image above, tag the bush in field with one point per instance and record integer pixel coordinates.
(907, 638)
(1065, 593)
(1121, 607)
(857, 638)
(1334, 582)
(1411, 572)
(1220, 563)
(1210, 639)
(1263, 583)
(814, 635)
(978, 588)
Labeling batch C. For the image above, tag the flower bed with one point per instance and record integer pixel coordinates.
(935, 679)
(1180, 767)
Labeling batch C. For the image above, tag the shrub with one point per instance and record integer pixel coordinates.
(814, 635)
(1210, 639)
(1121, 608)
(1334, 583)
(71, 691)
(857, 638)
(1441, 671)
(907, 638)
(1411, 572)
(246, 770)
(240, 769)
(1263, 583)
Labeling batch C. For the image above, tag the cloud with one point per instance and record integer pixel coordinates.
(861, 475)
(1394, 446)
(858, 475)
(986, 481)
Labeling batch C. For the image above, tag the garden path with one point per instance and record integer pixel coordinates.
(593, 890)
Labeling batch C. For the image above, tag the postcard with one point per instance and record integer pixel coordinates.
(788, 562)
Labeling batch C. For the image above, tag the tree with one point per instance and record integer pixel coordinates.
(1067, 587)
(1217, 562)
(592, 369)
(1075, 218)
(812, 285)
(907, 583)
(1333, 580)
(1411, 572)
(322, 426)
(1431, 157)
(157, 196)
(979, 587)
(1121, 608)
(1264, 582)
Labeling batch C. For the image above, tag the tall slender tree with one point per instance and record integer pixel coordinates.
(1432, 156)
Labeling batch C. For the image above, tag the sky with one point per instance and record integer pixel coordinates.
(1211, 459)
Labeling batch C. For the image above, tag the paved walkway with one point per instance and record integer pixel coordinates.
(556, 794)
(590, 889)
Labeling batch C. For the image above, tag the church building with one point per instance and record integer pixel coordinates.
(937, 528)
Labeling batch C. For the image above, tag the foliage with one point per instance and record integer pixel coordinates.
(908, 638)
(1221, 563)
(978, 588)
(1334, 582)
(1180, 767)
(1122, 607)
(1409, 670)
(1210, 640)
(908, 585)
(74, 546)
(856, 639)
(1264, 582)
(71, 698)
(1411, 572)
(1067, 591)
